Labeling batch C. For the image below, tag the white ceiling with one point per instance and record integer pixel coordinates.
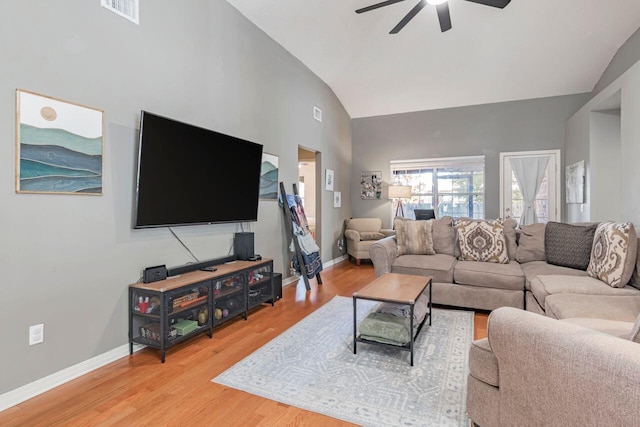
(530, 49)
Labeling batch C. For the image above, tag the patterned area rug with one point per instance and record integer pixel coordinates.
(312, 366)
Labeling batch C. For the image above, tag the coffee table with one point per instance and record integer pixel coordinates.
(402, 289)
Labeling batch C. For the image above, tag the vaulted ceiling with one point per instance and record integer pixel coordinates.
(529, 49)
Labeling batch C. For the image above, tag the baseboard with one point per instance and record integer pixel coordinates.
(27, 391)
(335, 261)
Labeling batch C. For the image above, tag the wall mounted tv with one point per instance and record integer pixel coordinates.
(190, 175)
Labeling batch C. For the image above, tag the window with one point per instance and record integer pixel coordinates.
(451, 186)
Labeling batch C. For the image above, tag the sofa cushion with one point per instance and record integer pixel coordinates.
(543, 286)
(439, 266)
(371, 235)
(414, 237)
(568, 245)
(483, 364)
(444, 236)
(617, 328)
(489, 275)
(613, 254)
(537, 268)
(623, 308)
(482, 241)
(635, 331)
(531, 244)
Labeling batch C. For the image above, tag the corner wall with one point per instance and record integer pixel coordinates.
(67, 260)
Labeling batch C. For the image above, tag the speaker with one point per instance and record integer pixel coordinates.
(277, 286)
(243, 246)
(154, 274)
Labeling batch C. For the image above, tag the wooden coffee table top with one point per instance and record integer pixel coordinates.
(393, 287)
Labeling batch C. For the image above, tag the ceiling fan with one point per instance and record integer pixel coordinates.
(442, 7)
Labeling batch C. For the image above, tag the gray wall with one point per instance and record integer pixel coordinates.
(625, 57)
(67, 260)
(536, 124)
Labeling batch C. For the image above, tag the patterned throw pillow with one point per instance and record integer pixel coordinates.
(414, 237)
(482, 241)
(569, 245)
(609, 253)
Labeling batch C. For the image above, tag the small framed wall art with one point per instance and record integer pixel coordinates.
(371, 185)
(269, 177)
(58, 146)
(328, 180)
(575, 176)
(337, 199)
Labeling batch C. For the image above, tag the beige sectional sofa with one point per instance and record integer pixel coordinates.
(537, 371)
(528, 281)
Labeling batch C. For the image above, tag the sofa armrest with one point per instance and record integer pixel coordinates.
(383, 253)
(352, 235)
(388, 232)
(555, 373)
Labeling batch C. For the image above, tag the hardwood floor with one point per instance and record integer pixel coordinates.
(139, 390)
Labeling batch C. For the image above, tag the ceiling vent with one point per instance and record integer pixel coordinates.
(317, 114)
(128, 9)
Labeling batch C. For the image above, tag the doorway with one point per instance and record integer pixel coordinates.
(530, 186)
(308, 187)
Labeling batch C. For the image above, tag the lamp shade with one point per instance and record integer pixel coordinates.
(399, 191)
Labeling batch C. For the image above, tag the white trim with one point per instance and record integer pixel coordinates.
(27, 391)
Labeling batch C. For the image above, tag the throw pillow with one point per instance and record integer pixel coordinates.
(414, 237)
(510, 225)
(444, 236)
(371, 235)
(568, 245)
(531, 245)
(635, 332)
(482, 241)
(609, 254)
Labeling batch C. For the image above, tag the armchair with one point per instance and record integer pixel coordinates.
(361, 233)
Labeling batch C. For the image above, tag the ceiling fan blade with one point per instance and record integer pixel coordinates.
(495, 3)
(444, 17)
(377, 5)
(408, 17)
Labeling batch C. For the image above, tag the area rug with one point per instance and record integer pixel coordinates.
(312, 366)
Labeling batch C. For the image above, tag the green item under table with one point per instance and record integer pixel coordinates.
(380, 328)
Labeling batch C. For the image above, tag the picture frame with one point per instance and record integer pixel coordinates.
(575, 180)
(59, 146)
(337, 199)
(269, 177)
(370, 185)
(328, 179)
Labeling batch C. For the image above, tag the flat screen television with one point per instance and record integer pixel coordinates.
(189, 175)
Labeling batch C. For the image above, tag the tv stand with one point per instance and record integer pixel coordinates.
(167, 312)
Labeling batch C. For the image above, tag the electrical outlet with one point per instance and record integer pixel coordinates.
(36, 334)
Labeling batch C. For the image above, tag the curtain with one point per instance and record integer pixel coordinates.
(529, 172)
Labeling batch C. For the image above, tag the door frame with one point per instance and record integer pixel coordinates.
(558, 187)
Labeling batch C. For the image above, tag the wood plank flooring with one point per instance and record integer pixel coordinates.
(139, 390)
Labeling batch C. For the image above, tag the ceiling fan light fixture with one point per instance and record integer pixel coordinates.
(436, 2)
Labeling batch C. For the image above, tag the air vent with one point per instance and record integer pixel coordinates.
(126, 8)
(317, 114)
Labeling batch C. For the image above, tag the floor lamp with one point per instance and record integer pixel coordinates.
(399, 192)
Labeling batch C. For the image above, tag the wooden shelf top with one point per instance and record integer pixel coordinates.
(186, 279)
(400, 288)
